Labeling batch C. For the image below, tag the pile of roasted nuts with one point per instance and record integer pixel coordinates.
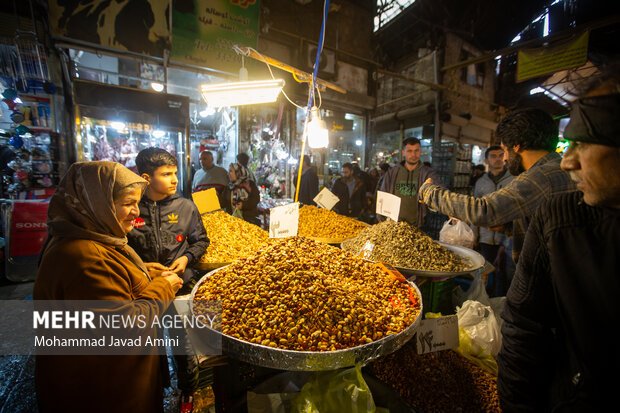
(231, 238)
(443, 381)
(322, 223)
(405, 246)
(301, 294)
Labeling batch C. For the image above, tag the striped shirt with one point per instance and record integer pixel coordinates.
(512, 206)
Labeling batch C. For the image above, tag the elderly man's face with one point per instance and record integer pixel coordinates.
(595, 170)
(206, 160)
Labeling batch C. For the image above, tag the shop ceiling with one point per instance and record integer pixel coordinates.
(487, 24)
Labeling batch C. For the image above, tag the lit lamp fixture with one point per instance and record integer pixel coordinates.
(157, 87)
(241, 93)
(318, 135)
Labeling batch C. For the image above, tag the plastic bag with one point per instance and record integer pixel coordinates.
(342, 391)
(457, 233)
(476, 292)
(479, 334)
(481, 324)
(237, 213)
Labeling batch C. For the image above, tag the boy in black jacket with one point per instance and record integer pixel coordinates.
(168, 234)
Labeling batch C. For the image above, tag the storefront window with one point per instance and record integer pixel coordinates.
(211, 129)
(387, 146)
(272, 159)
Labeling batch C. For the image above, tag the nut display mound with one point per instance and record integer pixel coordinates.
(405, 246)
(327, 226)
(304, 295)
(231, 238)
(443, 381)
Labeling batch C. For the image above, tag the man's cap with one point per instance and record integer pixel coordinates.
(596, 120)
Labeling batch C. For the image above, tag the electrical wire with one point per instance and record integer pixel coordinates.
(273, 77)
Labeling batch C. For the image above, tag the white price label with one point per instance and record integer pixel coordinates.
(326, 199)
(284, 221)
(366, 250)
(435, 334)
(388, 205)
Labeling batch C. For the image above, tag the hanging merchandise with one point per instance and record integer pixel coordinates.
(16, 141)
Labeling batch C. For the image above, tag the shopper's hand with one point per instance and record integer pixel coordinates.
(428, 181)
(155, 268)
(178, 266)
(175, 281)
(240, 205)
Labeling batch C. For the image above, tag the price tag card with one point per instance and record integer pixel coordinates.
(388, 205)
(326, 199)
(206, 201)
(435, 334)
(366, 250)
(284, 220)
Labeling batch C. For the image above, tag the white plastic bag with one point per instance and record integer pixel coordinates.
(475, 292)
(480, 323)
(457, 233)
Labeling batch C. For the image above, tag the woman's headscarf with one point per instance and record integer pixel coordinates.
(241, 186)
(83, 205)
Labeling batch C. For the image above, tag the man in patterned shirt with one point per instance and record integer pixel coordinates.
(528, 137)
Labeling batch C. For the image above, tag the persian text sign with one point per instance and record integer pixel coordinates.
(205, 31)
(435, 334)
(547, 60)
(326, 199)
(284, 221)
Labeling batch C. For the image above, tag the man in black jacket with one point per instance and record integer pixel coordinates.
(309, 184)
(168, 234)
(351, 191)
(557, 351)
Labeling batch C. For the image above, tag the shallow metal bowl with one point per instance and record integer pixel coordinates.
(474, 260)
(310, 360)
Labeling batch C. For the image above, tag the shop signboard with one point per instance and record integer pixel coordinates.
(139, 27)
(543, 61)
(205, 31)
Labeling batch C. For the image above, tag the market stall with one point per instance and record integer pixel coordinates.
(299, 311)
(115, 123)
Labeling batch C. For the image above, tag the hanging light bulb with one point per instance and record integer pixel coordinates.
(318, 135)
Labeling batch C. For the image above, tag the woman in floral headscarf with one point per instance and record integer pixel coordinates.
(241, 196)
(86, 257)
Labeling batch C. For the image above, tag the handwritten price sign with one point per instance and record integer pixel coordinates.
(435, 334)
(326, 199)
(284, 221)
(388, 205)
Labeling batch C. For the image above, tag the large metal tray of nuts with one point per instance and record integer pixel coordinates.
(292, 360)
(474, 260)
